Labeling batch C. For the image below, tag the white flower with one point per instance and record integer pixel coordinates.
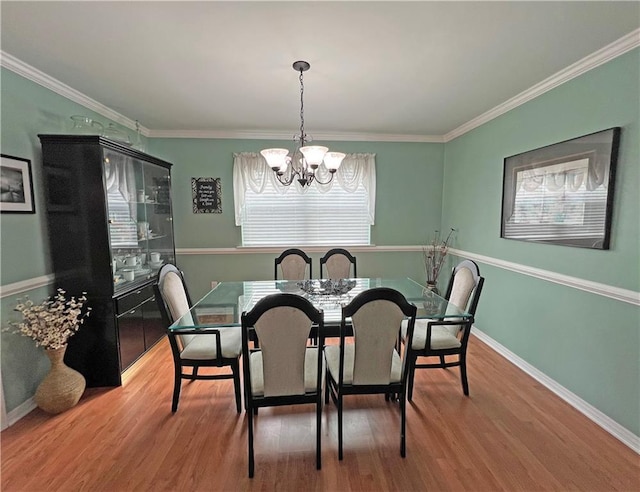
(51, 323)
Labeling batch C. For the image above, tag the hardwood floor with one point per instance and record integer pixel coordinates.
(509, 434)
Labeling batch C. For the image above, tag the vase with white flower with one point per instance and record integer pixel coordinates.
(434, 254)
(50, 324)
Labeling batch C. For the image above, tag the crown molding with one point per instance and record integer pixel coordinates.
(264, 135)
(12, 63)
(608, 53)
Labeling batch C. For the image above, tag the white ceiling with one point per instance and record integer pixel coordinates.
(377, 68)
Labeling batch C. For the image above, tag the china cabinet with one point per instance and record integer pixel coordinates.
(110, 229)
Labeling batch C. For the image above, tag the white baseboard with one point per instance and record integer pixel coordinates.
(20, 411)
(607, 423)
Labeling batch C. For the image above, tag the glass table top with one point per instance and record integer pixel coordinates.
(225, 303)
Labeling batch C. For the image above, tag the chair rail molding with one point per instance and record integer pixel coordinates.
(240, 250)
(26, 285)
(621, 433)
(617, 293)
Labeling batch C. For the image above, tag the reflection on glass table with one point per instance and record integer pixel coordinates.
(225, 303)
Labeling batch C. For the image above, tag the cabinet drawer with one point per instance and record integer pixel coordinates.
(133, 299)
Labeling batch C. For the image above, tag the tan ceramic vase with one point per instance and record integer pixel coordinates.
(62, 388)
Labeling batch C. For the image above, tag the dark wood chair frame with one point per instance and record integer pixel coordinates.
(252, 403)
(338, 251)
(179, 363)
(337, 389)
(292, 251)
(461, 351)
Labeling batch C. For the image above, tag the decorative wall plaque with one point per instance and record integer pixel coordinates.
(206, 193)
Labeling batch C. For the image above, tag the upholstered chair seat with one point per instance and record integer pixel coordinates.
(281, 368)
(442, 337)
(370, 364)
(447, 338)
(203, 347)
(195, 348)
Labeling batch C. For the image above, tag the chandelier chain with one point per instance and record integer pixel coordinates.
(303, 137)
(301, 164)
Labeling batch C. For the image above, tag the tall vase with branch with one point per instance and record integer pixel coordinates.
(434, 254)
(50, 324)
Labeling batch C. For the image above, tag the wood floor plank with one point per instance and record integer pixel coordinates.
(509, 434)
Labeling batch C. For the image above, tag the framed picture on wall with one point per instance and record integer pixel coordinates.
(16, 185)
(563, 193)
(206, 193)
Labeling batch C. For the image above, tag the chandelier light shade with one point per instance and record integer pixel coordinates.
(302, 163)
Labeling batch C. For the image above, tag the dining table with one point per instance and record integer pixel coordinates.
(224, 304)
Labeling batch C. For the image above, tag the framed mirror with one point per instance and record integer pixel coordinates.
(563, 193)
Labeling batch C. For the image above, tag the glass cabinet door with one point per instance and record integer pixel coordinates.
(157, 227)
(139, 214)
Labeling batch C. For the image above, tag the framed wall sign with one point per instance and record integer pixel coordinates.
(16, 185)
(206, 193)
(563, 193)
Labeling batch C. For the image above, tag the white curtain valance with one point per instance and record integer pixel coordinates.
(251, 172)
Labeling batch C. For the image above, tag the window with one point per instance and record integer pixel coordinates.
(270, 214)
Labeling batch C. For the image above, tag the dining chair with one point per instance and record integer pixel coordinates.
(338, 262)
(448, 337)
(195, 348)
(293, 262)
(282, 369)
(370, 364)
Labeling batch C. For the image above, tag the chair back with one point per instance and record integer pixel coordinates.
(376, 315)
(338, 262)
(293, 262)
(174, 299)
(282, 323)
(464, 288)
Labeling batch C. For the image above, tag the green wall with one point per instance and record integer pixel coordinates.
(409, 200)
(27, 109)
(586, 342)
(409, 179)
(408, 209)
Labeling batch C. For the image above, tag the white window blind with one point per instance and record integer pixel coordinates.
(270, 214)
(309, 219)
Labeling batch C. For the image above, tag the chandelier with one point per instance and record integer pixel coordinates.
(301, 164)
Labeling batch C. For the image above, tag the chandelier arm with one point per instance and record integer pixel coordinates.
(324, 182)
(298, 166)
(287, 180)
